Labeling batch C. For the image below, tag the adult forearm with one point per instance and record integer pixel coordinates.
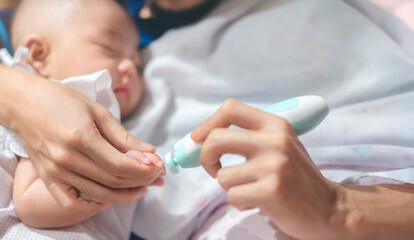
(375, 212)
(13, 88)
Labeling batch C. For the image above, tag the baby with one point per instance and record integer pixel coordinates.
(67, 38)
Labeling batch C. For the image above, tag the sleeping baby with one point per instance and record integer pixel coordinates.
(84, 44)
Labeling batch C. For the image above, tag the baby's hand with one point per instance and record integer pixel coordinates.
(147, 159)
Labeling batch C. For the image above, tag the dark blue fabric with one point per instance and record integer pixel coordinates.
(163, 19)
(134, 7)
(135, 237)
(5, 19)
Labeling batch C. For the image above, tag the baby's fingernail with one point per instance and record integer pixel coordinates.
(133, 154)
(196, 132)
(137, 155)
(159, 163)
(155, 159)
(146, 160)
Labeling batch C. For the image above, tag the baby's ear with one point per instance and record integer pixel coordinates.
(39, 50)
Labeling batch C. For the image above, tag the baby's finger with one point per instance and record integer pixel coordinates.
(137, 155)
(155, 159)
(146, 158)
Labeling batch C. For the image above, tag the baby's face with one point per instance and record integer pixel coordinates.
(101, 38)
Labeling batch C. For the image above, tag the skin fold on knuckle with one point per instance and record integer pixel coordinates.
(102, 114)
(215, 137)
(205, 129)
(97, 195)
(210, 148)
(228, 109)
(272, 189)
(114, 182)
(234, 199)
(44, 173)
(74, 136)
(284, 125)
(280, 142)
(54, 171)
(275, 164)
(223, 179)
(121, 167)
(123, 141)
(230, 104)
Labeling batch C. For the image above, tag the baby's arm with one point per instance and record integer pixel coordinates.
(36, 207)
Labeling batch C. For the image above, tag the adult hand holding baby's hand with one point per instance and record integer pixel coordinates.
(74, 141)
(279, 177)
(149, 158)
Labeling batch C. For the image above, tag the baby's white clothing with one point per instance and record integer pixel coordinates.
(113, 223)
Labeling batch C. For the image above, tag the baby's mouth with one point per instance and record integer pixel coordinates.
(124, 89)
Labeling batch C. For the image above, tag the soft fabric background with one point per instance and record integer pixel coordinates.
(354, 54)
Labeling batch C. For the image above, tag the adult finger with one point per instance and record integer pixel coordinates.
(65, 195)
(158, 182)
(255, 168)
(243, 197)
(115, 134)
(233, 112)
(93, 190)
(115, 162)
(91, 170)
(238, 175)
(256, 194)
(222, 141)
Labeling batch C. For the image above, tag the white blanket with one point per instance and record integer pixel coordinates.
(354, 54)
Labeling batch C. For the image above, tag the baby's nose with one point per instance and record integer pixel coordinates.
(127, 67)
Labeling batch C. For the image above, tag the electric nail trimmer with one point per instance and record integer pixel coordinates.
(303, 113)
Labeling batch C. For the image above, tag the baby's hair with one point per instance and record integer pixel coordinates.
(45, 16)
(37, 16)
